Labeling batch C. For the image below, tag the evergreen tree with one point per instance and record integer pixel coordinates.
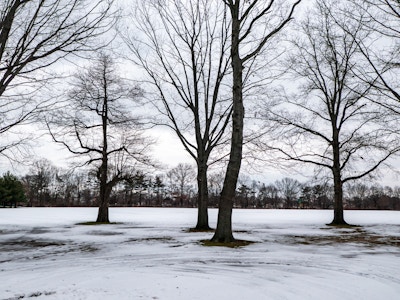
(11, 190)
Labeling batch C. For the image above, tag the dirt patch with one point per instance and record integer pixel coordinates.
(104, 233)
(167, 239)
(39, 230)
(27, 249)
(234, 244)
(135, 227)
(21, 245)
(97, 223)
(87, 248)
(6, 231)
(190, 230)
(357, 237)
(32, 295)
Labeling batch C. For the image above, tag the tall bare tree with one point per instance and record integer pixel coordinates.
(98, 126)
(34, 35)
(253, 25)
(182, 46)
(182, 176)
(330, 122)
(289, 189)
(382, 50)
(38, 182)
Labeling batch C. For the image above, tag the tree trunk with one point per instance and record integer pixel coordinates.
(338, 218)
(103, 172)
(102, 216)
(105, 193)
(223, 233)
(202, 200)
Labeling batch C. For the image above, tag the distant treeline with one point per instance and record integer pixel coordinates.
(46, 185)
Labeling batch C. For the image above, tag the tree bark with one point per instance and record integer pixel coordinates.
(104, 195)
(338, 217)
(223, 233)
(102, 216)
(202, 201)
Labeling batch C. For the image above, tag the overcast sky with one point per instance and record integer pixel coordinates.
(169, 151)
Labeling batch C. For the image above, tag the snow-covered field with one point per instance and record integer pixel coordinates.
(149, 254)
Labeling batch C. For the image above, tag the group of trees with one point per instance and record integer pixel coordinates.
(202, 63)
(47, 185)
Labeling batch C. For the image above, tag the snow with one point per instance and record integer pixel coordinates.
(149, 254)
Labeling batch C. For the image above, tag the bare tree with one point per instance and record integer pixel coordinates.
(382, 50)
(216, 180)
(357, 192)
(247, 41)
(270, 195)
(289, 189)
(182, 46)
(96, 125)
(38, 182)
(330, 123)
(182, 176)
(34, 35)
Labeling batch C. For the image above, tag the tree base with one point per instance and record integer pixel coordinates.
(97, 223)
(102, 215)
(337, 223)
(201, 229)
(223, 240)
(103, 220)
(231, 244)
(342, 225)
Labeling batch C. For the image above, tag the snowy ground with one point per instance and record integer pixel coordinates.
(148, 254)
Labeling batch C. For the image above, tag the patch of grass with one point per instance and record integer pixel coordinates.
(343, 225)
(234, 244)
(104, 233)
(19, 245)
(32, 295)
(93, 223)
(7, 231)
(345, 229)
(152, 239)
(16, 297)
(199, 230)
(358, 237)
(88, 248)
(177, 245)
(39, 230)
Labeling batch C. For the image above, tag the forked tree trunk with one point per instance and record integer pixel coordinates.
(223, 233)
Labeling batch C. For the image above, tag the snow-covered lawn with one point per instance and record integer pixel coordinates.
(149, 254)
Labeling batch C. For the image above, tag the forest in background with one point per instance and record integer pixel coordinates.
(48, 186)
